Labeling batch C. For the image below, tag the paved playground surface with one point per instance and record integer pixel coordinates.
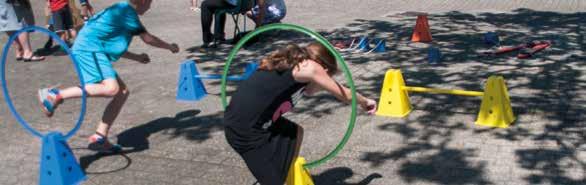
(168, 142)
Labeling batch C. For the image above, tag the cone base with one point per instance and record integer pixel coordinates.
(502, 124)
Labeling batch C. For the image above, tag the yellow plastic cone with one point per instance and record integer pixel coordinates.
(495, 110)
(298, 175)
(394, 101)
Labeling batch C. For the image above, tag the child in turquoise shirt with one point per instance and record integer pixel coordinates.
(103, 40)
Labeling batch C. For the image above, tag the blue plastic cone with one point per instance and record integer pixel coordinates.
(58, 164)
(189, 88)
(363, 44)
(434, 55)
(491, 38)
(381, 46)
(248, 71)
(250, 68)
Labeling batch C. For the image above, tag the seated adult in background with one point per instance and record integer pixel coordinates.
(267, 12)
(208, 9)
(264, 12)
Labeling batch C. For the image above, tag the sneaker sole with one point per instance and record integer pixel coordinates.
(98, 148)
(47, 112)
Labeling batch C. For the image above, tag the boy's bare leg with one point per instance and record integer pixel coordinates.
(113, 109)
(107, 88)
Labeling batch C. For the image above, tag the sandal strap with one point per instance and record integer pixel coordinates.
(101, 135)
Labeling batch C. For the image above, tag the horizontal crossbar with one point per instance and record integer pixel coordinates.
(218, 77)
(443, 91)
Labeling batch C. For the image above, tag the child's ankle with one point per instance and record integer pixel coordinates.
(58, 99)
(101, 135)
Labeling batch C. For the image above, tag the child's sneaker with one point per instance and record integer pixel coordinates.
(49, 99)
(101, 144)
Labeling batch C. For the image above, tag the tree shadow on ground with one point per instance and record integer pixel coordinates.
(339, 176)
(448, 166)
(255, 48)
(545, 93)
(553, 166)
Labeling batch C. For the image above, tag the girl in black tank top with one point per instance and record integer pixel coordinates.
(267, 142)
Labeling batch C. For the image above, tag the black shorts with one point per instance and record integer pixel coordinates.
(268, 159)
(62, 19)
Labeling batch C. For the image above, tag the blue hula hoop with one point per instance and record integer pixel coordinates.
(7, 98)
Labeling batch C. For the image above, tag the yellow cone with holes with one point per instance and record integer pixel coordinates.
(495, 110)
(394, 100)
(298, 175)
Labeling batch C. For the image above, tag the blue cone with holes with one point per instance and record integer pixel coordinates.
(190, 86)
(58, 164)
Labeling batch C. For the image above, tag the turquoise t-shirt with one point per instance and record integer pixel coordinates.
(110, 31)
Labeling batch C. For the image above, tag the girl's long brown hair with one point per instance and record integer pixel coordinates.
(291, 55)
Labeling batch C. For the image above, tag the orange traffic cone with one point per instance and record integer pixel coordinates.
(421, 32)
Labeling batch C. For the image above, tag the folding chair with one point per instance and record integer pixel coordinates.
(241, 7)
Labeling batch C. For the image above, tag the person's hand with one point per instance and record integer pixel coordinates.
(174, 48)
(144, 58)
(369, 106)
(87, 11)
